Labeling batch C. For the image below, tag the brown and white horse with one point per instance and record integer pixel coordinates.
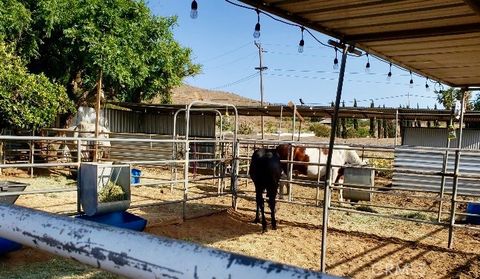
(340, 157)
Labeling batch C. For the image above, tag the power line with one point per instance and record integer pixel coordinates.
(225, 53)
(232, 61)
(246, 78)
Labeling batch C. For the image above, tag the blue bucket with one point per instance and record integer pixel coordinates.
(136, 173)
(473, 208)
(7, 246)
(119, 219)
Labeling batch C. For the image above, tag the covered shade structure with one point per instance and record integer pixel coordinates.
(436, 39)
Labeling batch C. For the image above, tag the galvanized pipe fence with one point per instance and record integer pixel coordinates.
(240, 151)
(449, 217)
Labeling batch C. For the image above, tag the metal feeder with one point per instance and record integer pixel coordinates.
(96, 176)
(359, 176)
(11, 186)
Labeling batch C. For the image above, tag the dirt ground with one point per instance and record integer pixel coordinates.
(359, 246)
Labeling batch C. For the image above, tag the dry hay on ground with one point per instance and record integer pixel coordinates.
(358, 246)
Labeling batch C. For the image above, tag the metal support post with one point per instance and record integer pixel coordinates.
(280, 123)
(79, 162)
(456, 172)
(442, 185)
(396, 127)
(326, 195)
(293, 121)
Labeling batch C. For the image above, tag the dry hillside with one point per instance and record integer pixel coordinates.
(185, 94)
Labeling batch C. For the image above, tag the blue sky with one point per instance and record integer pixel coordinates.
(222, 41)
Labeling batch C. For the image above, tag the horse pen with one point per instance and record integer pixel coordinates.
(412, 220)
(398, 231)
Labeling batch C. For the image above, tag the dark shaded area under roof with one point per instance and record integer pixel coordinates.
(313, 111)
(437, 39)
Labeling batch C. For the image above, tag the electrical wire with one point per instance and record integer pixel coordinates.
(243, 79)
(225, 53)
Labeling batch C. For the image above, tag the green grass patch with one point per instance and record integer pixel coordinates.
(55, 268)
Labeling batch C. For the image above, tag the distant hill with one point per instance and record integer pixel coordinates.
(185, 94)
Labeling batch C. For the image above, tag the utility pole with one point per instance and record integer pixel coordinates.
(261, 68)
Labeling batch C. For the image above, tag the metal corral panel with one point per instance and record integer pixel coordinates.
(121, 121)
(437, 137)
(411, 159)
(140, 151)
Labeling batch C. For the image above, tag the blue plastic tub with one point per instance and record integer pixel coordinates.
(7, 246)
(473, 208)
(136, 173)
(120, 219)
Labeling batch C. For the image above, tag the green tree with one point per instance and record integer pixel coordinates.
(448, 97)
(27, 101)
(70, 41)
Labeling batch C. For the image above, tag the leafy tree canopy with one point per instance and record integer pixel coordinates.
(71, 41)
(27, 101)
(447, 98)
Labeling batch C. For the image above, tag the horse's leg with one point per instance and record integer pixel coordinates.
(262, 209)
(259, 200)
(271, 204)
(337, 181)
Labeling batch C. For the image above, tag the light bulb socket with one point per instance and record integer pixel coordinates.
(194, 11)
(300, 46)
(256, 34)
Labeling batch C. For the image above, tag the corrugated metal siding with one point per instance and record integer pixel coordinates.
(416, 160)
(435, 137)
(120, 121)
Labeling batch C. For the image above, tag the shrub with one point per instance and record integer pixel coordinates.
(383, 163)
(320, 130)
(245, 128)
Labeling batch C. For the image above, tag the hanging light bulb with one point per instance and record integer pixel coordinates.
(427, 87)
(302, 43)
(389, 75)
(256, 34)
(367, 66)
(194, 11)
(411, 80)
(335, 61)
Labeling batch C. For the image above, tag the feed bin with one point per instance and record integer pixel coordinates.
(104, 188)
(364, 178)
(11, 186)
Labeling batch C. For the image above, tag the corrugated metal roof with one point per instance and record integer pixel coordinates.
(438, 39)
(314, 111)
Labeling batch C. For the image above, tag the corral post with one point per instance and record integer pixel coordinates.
(455, 173)
(79, 162)
(1, 155)
(293, 121)
(317, 194)
(280, 123)
(396, 127)
(442, 185)
(32, 159)
(329, 159)
(290, 172)
(186, 165)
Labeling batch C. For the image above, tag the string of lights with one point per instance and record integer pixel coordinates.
(301, 44)
(334, 78)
